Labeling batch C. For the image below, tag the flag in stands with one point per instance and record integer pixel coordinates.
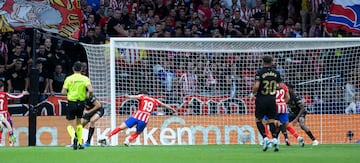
(58, 16)
(345, 15)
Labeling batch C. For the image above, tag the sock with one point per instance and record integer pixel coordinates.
(273, 130)
(90, 134)
(79, 133)
(267, 132)
(133, 136)
(310, 135)
(113, 132)
(71, 131)
(292, 131)
(283, 131)
(261, 129)
(1, 136)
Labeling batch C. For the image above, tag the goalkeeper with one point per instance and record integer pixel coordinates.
(92, 113)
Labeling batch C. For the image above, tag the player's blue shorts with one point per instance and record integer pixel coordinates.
(282, 117)
(140, 125)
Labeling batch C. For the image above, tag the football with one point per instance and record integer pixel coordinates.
(103, 142)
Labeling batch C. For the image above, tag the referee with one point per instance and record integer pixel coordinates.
(75, 87)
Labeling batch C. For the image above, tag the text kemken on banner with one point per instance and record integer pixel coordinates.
(63, 17)
(345, 15)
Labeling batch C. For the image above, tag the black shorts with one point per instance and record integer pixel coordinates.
(99, 112)
(265, 106)
(292, 116)
(75, 109)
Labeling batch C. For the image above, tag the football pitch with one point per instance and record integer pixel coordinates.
(348, 153)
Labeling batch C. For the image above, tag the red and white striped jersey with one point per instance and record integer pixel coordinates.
(245, 14)
(86, 27)
(280, 99)
(146, 106)
(4, 102)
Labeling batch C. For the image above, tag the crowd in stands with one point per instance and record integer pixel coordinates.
(52, 57)
(103, 19)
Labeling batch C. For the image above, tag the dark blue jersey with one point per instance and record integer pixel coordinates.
(269, 79)
(90, 102)
(295, 102)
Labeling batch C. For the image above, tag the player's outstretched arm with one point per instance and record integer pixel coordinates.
(132, 96)
(11, 96)
(167, 107)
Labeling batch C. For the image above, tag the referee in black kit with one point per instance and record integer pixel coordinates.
(76, 87)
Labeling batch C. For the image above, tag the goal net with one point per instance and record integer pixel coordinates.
(208, 81)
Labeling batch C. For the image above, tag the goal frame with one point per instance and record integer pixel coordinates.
(288, 41)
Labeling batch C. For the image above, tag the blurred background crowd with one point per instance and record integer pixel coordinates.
(103, 19)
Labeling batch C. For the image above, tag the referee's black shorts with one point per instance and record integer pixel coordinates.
(265, 105)
(75, 109)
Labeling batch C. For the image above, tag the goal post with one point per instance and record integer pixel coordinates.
(208, 81)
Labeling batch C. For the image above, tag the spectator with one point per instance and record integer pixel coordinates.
(43, 81)
(61, 58)
(26, 48)
(49, 48)
(99, 36)
(215, 26)
(105, 19)
(317, 30)
(89, 24)
(3, 50)
(56, 80)
(297, 32)
(19, 54)
(115, 26)
(100, 14)
(3, 75)
(90, 37)
(43, 57)
(210, 80)
(17, 79)
(188, 80)
(12, 42)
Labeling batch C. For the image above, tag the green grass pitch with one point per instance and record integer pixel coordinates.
(344, 153)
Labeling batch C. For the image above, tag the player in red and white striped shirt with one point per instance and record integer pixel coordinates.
(140, 118)
(282, 97)
(5, 118)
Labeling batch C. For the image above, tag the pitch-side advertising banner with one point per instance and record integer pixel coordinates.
(186, 130)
